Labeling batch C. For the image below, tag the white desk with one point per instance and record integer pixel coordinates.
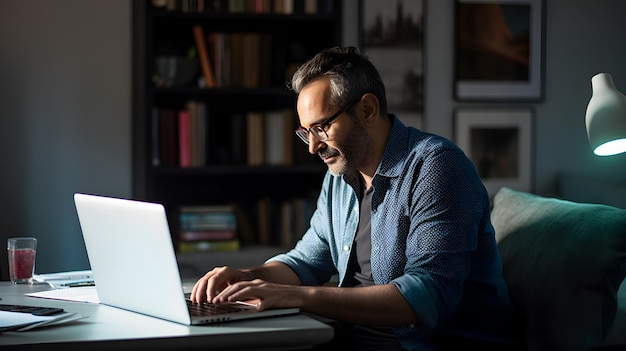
(107, 328)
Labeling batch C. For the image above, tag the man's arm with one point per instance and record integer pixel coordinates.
(273, 272)
(377, 305)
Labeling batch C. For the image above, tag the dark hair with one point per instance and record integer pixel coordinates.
(351, 75)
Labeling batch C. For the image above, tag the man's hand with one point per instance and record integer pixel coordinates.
(212, 283)
(265, 295)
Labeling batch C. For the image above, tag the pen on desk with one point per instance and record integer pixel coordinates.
(79, 284)
(77, 277)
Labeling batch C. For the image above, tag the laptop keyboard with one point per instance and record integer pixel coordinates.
(208, 309)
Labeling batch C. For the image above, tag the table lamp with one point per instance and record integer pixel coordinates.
(606, 117)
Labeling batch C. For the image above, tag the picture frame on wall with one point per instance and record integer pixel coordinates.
(498, 50)
(499, 143)
(392, 37)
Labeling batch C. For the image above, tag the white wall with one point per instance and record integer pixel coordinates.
(65, 104)
(582, 38)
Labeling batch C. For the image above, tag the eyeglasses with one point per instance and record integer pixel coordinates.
(319, 129)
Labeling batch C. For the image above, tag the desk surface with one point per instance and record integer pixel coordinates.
(108, 327)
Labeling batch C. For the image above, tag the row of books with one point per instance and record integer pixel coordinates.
(270, 137)
(225, 228)
(207, 228)
(234, 59)
(246, 6)
(283, 223)
(183, 138)
(180, 136)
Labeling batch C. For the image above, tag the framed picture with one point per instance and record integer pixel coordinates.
(499, 142)
(392, 36)
(498, 50)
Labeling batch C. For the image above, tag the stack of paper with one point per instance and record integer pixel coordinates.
(85, 294)
(19, 321)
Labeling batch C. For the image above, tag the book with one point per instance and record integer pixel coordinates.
(241, 59)
(184, 138)
(207, 218)
(207, 235)
(206, 208)
(217, 46)
(238, 145)
(278, 139)
(274, 138)
(278, 6)
(251, 46)
(197, 133)
(201, 133)
(208, 245)
(208, 221)
(168, 137)
(288, 7)
(245, 226)
(295, 219)
(310, 7)
(205, 64)
(265, 60)
(236, 61)
(193, 133)
(236, 6)
(201, 225)
(289, 126)
(255, 134)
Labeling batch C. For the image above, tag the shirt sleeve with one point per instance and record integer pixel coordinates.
(447, 211)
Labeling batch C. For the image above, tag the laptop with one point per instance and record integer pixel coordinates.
(134, 264)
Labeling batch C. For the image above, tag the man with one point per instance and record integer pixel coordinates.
(402, 218)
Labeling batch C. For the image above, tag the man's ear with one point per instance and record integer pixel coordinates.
(369, 108)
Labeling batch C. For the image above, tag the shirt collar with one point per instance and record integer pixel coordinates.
(396, 151)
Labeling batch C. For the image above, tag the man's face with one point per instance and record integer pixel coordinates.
(347, 139)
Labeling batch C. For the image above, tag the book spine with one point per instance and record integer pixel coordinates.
(205, 64)
(206, 246)
(184, 138)
(201, 135)
(168, 137)
(274, 138)
(255, 142)
(207, 235)
(208, 221)
(207, 208)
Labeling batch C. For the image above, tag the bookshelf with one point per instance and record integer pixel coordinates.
(213, 121)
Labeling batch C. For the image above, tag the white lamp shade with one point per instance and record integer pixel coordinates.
(606, 117)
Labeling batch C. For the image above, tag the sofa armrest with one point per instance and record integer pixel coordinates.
(564, 263)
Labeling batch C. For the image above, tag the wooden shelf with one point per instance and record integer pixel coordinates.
(223, 175)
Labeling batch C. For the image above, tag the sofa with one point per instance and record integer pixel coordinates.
(564, 263)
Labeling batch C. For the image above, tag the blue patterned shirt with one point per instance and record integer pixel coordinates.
(431, 237)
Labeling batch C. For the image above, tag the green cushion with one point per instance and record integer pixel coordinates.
(563, 262)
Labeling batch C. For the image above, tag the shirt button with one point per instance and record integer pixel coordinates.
(346, 248)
